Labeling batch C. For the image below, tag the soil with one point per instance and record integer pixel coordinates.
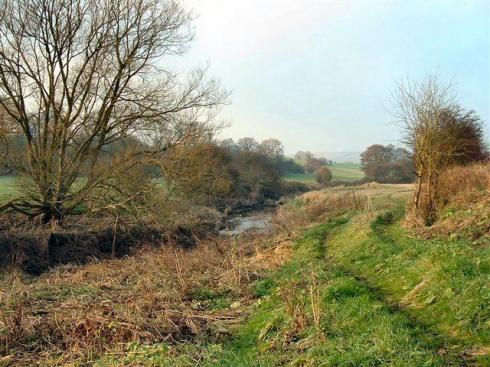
(36, 251)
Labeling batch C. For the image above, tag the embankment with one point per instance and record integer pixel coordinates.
(35, 251)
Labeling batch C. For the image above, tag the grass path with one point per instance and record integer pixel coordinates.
(313, 312)
(317, 314)
(444, 284)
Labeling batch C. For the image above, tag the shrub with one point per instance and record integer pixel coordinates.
(387, 164)
(323, 176)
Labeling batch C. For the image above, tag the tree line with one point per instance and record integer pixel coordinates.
(90, 117)
(387, 164)
(220, 173)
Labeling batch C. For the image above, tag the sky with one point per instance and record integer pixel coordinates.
(319, 74)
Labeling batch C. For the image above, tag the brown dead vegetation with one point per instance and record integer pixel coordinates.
(463, 204)
(463, 184)
(76, 313)
(315, 206)
(35, 249)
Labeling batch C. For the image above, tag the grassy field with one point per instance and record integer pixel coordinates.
(340, 171)
(8, 187)
(341, 283)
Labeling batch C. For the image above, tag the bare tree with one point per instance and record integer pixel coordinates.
(437, 131)
(79, 75)
(248, 144)
(273, 148)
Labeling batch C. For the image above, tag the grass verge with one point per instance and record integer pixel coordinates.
(314, 314)
(442, 282)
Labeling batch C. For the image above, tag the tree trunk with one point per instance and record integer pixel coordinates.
(51, 213)
(417, 195)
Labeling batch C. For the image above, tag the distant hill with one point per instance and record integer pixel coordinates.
(341, 157)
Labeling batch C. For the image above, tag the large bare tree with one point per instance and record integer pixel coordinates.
(79, 75)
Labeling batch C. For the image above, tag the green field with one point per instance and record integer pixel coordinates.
(340, 171)
(8, 187)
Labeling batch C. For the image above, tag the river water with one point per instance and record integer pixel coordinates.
(252, 222)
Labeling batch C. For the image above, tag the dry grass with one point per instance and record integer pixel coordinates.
(77, 313)
(316, 206)
(315, 301)
(463, 204)
(74, 314)
(463, 184)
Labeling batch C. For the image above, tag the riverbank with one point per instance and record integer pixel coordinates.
(338, 281)
(34, 248)
(77, 314)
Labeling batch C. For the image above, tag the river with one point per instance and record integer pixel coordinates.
(251, 222)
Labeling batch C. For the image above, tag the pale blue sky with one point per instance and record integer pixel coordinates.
(318, 74)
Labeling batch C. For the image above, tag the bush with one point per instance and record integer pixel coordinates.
(323, 176)
(387, 164)
(293, 188)
(460, 186)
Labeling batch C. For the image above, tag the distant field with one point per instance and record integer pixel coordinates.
(340, 172)
(8, 187)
